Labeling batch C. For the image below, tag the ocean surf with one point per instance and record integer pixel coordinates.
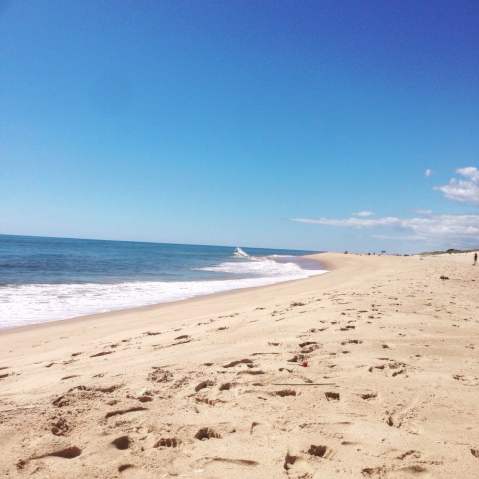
(45, 279)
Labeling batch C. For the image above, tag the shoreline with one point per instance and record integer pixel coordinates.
(154, 306)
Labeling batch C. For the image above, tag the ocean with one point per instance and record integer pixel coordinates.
(45, 279)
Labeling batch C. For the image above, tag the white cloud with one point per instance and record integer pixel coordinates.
(363, 214)
(399, 237)
(421, 211)
(353, 222)
(464, 190)
(469, 172)
(458, 229)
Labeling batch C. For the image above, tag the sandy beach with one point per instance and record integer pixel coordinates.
(370, 370)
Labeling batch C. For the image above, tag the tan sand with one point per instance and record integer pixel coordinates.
(371, 370)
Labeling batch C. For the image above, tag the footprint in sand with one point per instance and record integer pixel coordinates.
(60, 427)
(320, 451)
(183, 336)
(410, 453)
(209, 402)
(122, 443)
(252, 372)
(284, 392)
(297, 467)
(124, 467)
(66, 453)
(374, 471)
(239, 361)
(226, 386)
(168, 442)
(332, 396)
(152, 333)
(145, 396)
(204, 384)
(207, 433)
(298, 358)
(160, 375)
(120, 412)
(308, 347)
(102, 353)
(351, 341)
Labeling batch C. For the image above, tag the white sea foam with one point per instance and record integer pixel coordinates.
(239, 253)
(36, 303)
(261, 267)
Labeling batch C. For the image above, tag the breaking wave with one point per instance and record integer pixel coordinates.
(22, 304)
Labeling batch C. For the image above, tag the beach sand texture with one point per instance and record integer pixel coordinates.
(371, 370)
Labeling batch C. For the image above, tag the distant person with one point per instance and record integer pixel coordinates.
(475, 258)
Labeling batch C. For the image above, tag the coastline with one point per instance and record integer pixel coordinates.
(366, 363)
(155, 306)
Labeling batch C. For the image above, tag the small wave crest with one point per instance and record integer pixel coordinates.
(274, 265)
(240, 253)
(258, 267)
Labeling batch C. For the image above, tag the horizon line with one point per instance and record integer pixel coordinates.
(156, 242)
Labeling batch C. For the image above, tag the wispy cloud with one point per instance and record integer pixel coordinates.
(464, 190)
(461, 230)
(458, 230)
(350, 222)
(399, 237)
(363, 214)
(424, 212)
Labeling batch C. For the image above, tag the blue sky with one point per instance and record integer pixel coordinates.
(241, 122)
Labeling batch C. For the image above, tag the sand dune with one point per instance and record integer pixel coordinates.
(371, 370)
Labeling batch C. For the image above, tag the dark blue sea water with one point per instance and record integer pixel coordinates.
(43, 279)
